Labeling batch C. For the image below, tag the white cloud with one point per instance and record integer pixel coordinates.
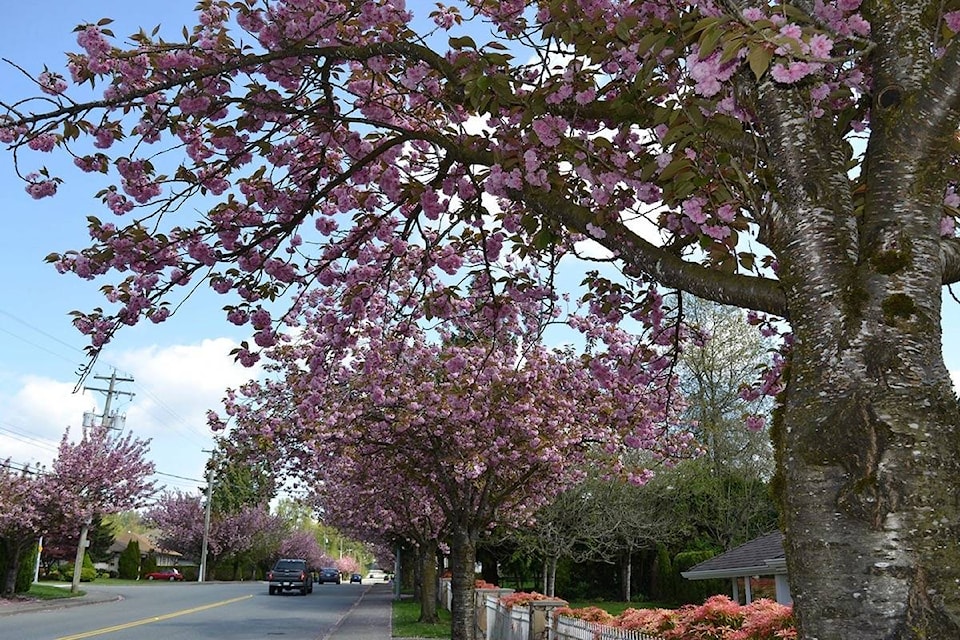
(35, 417)
(172, 387)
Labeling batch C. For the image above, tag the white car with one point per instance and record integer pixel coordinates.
(376, 576)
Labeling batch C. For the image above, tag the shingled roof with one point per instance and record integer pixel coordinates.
(761, 556)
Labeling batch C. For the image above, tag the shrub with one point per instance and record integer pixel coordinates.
(718, 618)
(128, 564)
(28, 566)
(148, 565)
(522, 598)
(588, 614)
(88, 573)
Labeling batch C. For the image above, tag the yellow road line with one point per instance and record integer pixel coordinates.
(137, 623)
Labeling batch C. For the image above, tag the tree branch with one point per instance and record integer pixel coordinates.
(950, 258)
(760, 294)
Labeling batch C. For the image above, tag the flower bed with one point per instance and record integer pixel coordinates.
(718, 618)
(523, 598)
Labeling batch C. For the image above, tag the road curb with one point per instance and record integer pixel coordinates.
(22, 605)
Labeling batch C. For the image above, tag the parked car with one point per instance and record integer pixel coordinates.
(329, 574)
(290, 574)
(356, 577)
(170, 574)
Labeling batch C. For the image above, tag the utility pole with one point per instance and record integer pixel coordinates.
(206, 523)
(78, 562)
(36, 566)
(104, 417)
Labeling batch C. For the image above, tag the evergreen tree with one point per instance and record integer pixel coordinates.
(128, 566)
(101, 537)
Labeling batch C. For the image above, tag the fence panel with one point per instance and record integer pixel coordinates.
(566, 628)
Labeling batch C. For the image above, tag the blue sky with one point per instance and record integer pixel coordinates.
(180, 368)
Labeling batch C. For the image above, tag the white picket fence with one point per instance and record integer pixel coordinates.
(539, 621)
(565, 628)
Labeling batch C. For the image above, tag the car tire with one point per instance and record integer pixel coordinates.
(149, 577)
(272, 590)
(172, 578)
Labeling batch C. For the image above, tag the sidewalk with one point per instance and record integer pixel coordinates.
(371, 618)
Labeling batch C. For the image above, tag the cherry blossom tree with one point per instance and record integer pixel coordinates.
(23, 502)
(373, 500)
(99, 474)
(303, 544)
(179, 518)
(797, 160)
(470, 423)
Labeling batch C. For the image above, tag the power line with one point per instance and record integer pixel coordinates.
(28, 439)
(171, 475)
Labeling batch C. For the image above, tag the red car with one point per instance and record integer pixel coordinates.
(170, 574)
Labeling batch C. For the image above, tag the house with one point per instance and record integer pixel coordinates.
(760, 557)
(164, 557)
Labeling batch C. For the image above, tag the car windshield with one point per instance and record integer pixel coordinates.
(289, 564)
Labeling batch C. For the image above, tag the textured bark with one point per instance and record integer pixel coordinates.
(463, 555)
(868, 449)
(427, 561)
(626, 575)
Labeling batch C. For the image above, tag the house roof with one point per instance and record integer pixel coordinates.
(760, 556)
(121, 540)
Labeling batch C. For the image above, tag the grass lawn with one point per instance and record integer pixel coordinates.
(50, 592)
(406, 612)
(405, 625)
(616, 608)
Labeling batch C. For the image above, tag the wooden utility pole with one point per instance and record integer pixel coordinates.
(104, 418)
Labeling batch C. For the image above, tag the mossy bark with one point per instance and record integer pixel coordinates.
(427, 561)
(463, 555)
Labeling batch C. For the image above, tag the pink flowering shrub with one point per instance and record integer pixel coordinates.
(718, 618)
(522, 598)
(588, 614)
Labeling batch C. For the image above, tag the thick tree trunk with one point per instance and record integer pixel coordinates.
(867, 438)
(870, 495)
(427, 572)
(463, 555)
(868, 434)
(13, 548)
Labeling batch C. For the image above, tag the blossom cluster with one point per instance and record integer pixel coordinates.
(718, 618)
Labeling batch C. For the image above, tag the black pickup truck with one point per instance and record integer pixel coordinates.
(290, 574)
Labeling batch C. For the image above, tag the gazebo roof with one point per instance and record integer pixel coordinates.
(760, 556)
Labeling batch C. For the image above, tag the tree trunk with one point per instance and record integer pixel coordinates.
(462, 585)
(867, 442)
(550, 576)
(626, 575)
(427, 563)
(884, 464)
(13, 549)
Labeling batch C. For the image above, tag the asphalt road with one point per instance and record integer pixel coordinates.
(191, 611)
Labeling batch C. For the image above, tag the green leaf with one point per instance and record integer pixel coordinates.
(709, 42)
(674, 168)
(759, 60)
(624, 29)
(464, 42)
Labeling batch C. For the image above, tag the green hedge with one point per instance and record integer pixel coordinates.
(695, 591)
(87, 573)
